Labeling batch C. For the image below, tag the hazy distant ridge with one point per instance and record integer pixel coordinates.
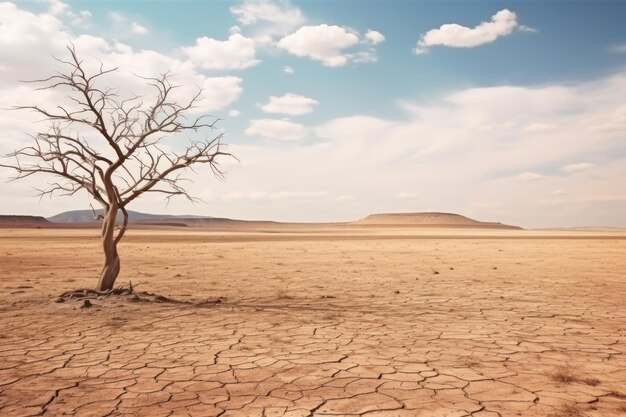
(87, 216)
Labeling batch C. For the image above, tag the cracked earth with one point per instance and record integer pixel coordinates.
(317, 323)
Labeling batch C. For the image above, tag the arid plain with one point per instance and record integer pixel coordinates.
(315, 321)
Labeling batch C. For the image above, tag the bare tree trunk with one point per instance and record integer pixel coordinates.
(111, 268)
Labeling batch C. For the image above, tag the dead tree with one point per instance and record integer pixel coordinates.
(112, 148)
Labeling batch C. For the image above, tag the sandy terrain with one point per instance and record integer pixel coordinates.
(338, 321)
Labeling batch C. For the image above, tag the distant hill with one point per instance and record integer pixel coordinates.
(86, 216)
(23, 221)
(427, 220)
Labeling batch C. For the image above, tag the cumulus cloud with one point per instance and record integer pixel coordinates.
(332, 45)
(374, 37)
(238, 52)
(268, 19)
(288, 70)
(81, 18)
(234, 113)
(253, 11)
(218, 92)
(573, 168)
(40, 34)
(276, 129)
(280, 24)
(57, 7)
(292, 104)
(454, 35)
(324, 43)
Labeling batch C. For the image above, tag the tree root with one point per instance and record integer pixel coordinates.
(131, 295)
(87, 292)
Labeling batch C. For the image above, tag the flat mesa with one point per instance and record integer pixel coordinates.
(428, 220)
(351, 319)
(23, 221)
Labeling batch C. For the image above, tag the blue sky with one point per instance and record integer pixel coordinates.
(506, 111)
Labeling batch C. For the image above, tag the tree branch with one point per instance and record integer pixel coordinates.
(119, 157)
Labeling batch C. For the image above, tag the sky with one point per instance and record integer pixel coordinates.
(511, 111)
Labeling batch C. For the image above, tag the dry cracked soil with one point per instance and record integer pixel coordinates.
(397, 323)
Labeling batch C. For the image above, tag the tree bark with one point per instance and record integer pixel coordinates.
(111, 268)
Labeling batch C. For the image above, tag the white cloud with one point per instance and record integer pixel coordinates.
(41, 35)
(138, 29)
(81, 18)
(234, 113)
(573, 168)
(254, 11)
(374, 37)
(323, 43)
(288, 70)
(453, 35)
(524, 28)
(279, 24)
(292, 104)
(268, 19)
(57, 7)
(363, 57)
(238, 52)
(218, 92)
(407, 195)
(276, 129)
(334, 46)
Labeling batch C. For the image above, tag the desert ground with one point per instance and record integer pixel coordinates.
(336, 321)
